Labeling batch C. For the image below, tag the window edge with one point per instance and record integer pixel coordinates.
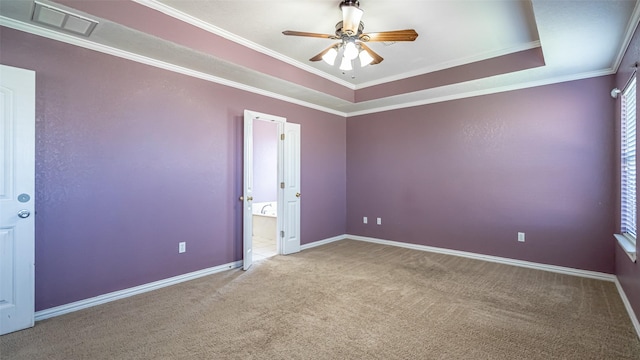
(627, 245)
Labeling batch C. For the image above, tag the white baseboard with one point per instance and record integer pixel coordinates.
(521, 263)
(83, 304)
(495, 259)
(121, 294)
(627, 305)
(322, 242)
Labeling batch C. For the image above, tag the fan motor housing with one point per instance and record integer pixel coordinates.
(340, 34)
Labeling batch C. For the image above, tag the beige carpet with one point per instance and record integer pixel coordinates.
(349, 300)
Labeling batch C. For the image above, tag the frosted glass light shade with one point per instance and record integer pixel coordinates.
(351, 16)
(365, 58)
(330, 56)
(350, 51)
(346, 65)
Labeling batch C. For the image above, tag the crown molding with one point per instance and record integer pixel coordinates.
(400, 103)
(491, 90)
(452, 63)
(72, 40)
(631, 28)
(169, 11)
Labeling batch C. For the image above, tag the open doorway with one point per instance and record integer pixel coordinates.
(288, 190)
(265, 191)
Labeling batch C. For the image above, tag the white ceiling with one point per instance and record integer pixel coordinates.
(450, 32)
(579, 39)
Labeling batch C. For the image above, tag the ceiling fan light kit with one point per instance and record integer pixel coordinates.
(350, 50)
(330, 56)
(350, 32)
(365, 58)
(345, 65)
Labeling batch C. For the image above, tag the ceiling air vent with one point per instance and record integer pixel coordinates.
(62, 19)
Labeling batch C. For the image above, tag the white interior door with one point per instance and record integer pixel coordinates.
(291, 177)
(247, 193)
(17, 188)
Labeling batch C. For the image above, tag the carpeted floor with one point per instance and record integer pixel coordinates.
(349, 300)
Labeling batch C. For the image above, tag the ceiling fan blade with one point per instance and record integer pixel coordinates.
(320, 55)
(377, 59)
(396, 35)
(308, 34)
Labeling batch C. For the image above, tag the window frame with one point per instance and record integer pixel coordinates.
(628, 170)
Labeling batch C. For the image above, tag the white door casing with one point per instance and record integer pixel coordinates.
(288, 167)
(290, 223)
(17, 191)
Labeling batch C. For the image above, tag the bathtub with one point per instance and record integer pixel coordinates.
(269, 208)
(265, 217)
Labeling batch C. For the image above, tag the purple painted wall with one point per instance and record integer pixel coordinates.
(628, 272)
(504, 64)
(471, 173)
(131, 159)
(265, 161)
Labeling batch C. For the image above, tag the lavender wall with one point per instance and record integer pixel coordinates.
(131, 159)
(628, 272)
(469, 174)
(265, 161)
(504, 64)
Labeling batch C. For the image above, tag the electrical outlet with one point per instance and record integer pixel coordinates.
(364, 220)
(521, 237)
(182, 247)
(379, 222)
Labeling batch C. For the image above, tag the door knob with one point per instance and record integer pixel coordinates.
(23, 214)
(249, 198)
(298, 195)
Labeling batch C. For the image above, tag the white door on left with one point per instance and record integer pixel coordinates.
(17, 191)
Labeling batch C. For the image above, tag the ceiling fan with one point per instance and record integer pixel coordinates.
(352, 38)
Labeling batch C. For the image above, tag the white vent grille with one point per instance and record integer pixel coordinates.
(62, 19)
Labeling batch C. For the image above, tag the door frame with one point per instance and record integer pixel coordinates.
(249, 117)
